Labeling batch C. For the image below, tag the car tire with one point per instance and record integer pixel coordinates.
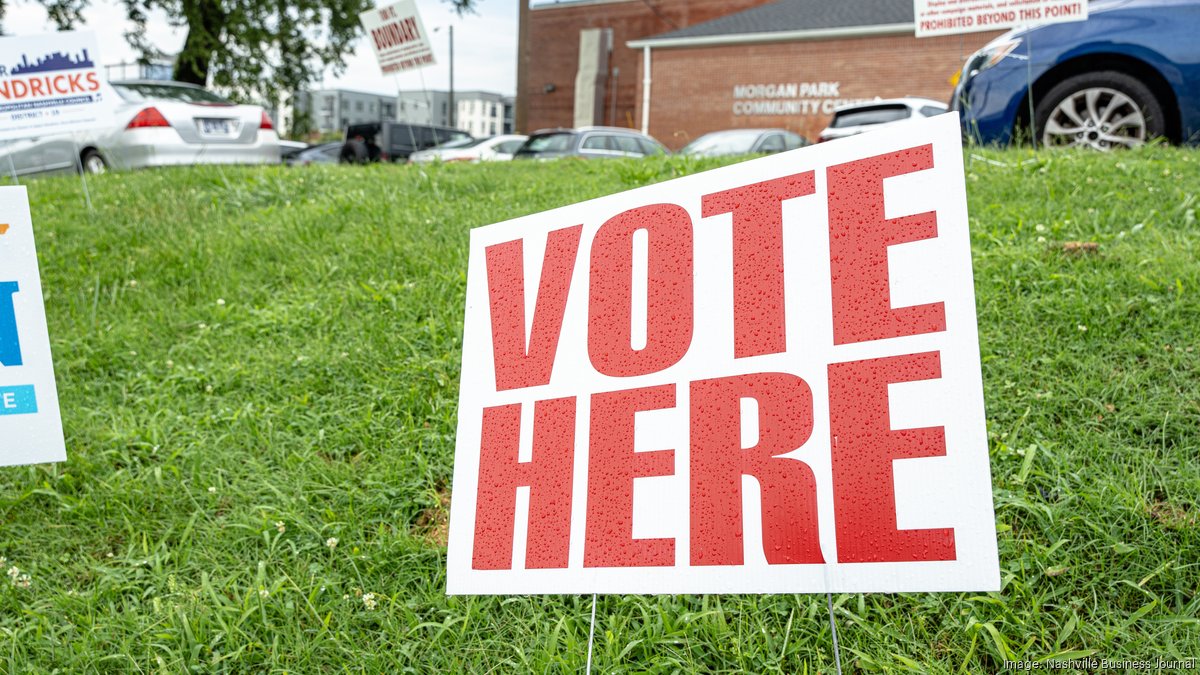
(93, 162)
(355, 152)
(1101, 110)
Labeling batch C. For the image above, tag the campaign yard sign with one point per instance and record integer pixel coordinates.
(950, 17)
(398, 37)
(30, 425)
(763, 378)
(51, 84)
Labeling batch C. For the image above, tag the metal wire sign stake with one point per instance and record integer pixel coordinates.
(591, 636)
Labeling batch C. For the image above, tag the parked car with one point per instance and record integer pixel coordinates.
(856, 118)
(393, 141)
(744, 142)
(491, 149)
(155, 124)
(326, 153)
(1128, 74)
(289, 149)
(590, 143)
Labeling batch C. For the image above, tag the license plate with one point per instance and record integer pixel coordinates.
(216, 127)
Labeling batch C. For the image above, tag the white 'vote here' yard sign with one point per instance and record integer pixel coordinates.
(30, 426)
(763, 378)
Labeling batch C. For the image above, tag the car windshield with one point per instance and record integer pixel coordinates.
(461, 143)
(549, 143)
(878, 114)
(140, 92)
(722, 143)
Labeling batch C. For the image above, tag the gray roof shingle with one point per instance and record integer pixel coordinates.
(799, 15)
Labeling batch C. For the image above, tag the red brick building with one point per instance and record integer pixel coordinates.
(721, 65)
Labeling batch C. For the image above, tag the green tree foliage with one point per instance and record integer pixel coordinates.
(64, 13)
(253, 48)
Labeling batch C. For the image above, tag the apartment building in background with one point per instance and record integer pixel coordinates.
(479, 113)
(332, 110)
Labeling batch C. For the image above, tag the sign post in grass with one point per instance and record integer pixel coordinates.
(764, 378)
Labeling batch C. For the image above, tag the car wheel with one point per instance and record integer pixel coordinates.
(354, 152)
(1102, 111)
(93, 162)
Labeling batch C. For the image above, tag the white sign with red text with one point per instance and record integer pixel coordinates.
(950, 17)
(763, 378)
(398, 37)
(30, 425)
(52, 84)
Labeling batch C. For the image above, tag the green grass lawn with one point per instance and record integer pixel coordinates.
(253, 363)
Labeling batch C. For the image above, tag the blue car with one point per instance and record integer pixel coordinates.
(1128, 74)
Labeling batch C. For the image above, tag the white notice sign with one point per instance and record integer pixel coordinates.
(398, 37)
(763, 378)
(949, 17)
(30, 426)
(51, 84)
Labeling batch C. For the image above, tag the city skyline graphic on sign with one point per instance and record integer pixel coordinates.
(52, 62)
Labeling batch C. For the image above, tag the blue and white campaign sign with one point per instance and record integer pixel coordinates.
(30, 424)
(51, 84)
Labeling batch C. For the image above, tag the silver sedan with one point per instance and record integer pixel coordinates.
(155, 124)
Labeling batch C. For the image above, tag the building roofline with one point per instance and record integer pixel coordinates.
(562, 4)
(776, 36)
(343, 90)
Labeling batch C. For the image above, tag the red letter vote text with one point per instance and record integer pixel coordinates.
(519, 365)
(612, 466)
(669, 290)
(864, 445)
(758, 290)
(548, 476)
(718, 462)
(859, 237)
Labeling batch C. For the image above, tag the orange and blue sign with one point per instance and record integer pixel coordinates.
(52, 84)
(30, 422)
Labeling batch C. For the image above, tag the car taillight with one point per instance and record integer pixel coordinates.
(148, 117)
(266, 122)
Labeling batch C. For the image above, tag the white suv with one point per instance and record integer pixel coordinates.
(854, 119)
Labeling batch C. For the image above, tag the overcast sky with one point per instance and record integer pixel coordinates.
(485, 45)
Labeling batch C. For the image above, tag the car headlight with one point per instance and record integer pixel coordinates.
(990, 55)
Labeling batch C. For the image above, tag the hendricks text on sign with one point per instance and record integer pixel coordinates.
(51, 84)
(762, 378)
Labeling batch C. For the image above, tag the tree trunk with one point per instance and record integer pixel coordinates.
(205, 20)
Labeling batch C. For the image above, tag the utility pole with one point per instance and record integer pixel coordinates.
(521, 105)
(453, 109)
